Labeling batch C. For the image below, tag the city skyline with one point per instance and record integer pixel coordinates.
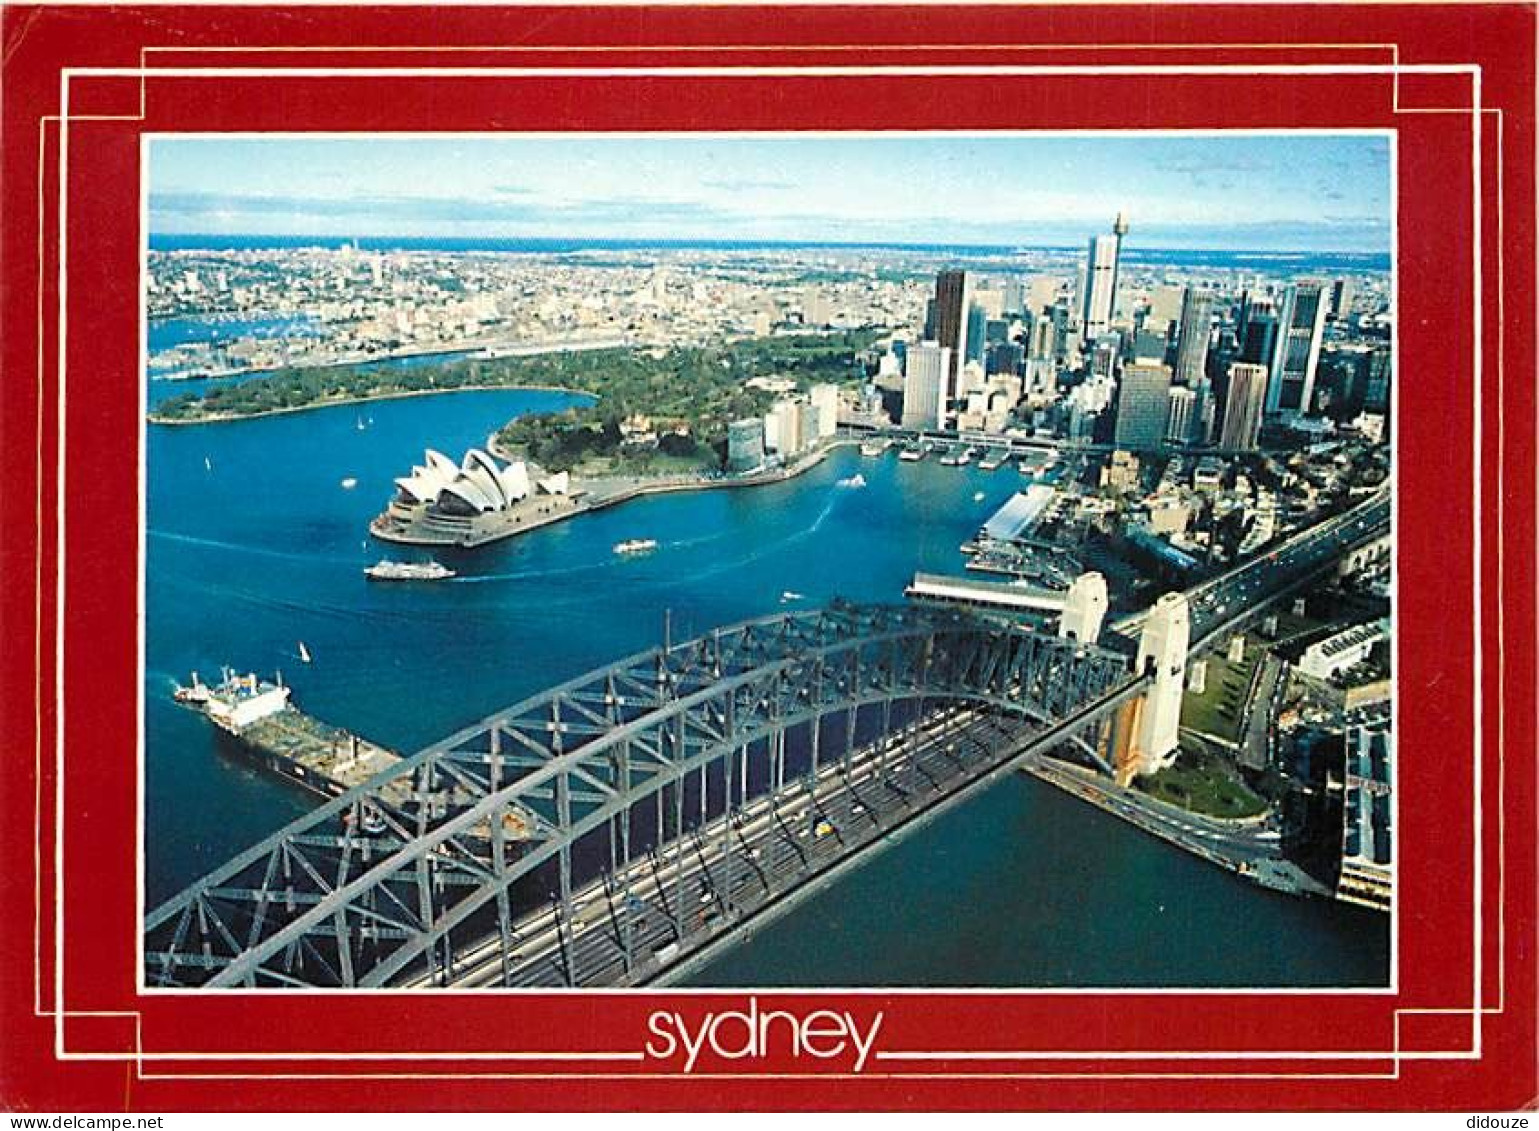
(1291, 191)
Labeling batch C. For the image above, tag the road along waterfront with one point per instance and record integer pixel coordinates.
(255, 546)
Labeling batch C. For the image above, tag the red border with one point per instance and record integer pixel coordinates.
(1436, 258)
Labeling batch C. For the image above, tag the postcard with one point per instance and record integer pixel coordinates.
(877, 557)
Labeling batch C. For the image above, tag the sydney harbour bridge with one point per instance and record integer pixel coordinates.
(622, 827)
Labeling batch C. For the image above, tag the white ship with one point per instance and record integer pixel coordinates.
(387, 570)
(236, 702)
(636, 546)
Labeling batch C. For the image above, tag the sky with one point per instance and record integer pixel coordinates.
(1287, 191)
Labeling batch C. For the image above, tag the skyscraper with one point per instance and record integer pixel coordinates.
(1242, 407)
(924, 385)
(1192, 342)
(1300, 324)
(953, 297)
(1143, 407)
(1182, 410)
(1100, 301)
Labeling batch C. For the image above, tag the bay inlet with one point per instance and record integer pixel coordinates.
(254, 546)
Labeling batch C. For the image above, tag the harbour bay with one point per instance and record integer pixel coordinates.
(254, 546)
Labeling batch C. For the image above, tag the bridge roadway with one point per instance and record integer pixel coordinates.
(763, 857)
(1223, 602)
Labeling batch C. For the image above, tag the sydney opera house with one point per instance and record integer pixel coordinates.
(476, 501)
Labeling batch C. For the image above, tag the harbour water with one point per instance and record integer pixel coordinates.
(254, 545)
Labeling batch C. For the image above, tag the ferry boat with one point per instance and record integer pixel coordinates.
(387, 570)
(855, 481)
(875, 446)
(912, 453)
(636, 546)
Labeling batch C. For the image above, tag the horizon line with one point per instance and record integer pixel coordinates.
(339, 238)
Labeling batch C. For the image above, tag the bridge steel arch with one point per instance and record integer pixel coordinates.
(383, 882)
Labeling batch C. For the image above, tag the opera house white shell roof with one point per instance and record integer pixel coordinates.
(478, 484)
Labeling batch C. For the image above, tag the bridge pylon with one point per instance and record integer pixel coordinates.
(1084, 609)
(1146, 732)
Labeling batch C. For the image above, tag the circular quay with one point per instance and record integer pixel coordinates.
(774, 557)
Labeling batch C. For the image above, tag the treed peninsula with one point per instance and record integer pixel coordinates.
(687, 395)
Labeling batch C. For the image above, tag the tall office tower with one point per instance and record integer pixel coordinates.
(1164, 308)
(1143, 407)
(1196, 329)
(1204, 407)
(1376, 397)
(1101, 279)
(924, 385)
(1242, 406)
(1178, 426)
(1300, 324)
(952, 302)
(1014, 299)
(1042, 292)
(1342, 293)
(1043, 338)
(977, 334)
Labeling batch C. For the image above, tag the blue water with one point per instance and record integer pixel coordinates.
(1249, 259)
(260, 547)
(164, 333)
(159, 390)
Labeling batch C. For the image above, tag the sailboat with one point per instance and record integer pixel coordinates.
(208, 464)
(304, 653)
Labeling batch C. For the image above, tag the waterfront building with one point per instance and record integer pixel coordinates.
(745, 445)
(1296, 355)
(1367, 856)
(1242, 406)
(825, 403)
(1192, 341)
(951, 323)
(1100, 289)
(783, 427)
(1143, 406)
(924, 386)
(477, 501)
